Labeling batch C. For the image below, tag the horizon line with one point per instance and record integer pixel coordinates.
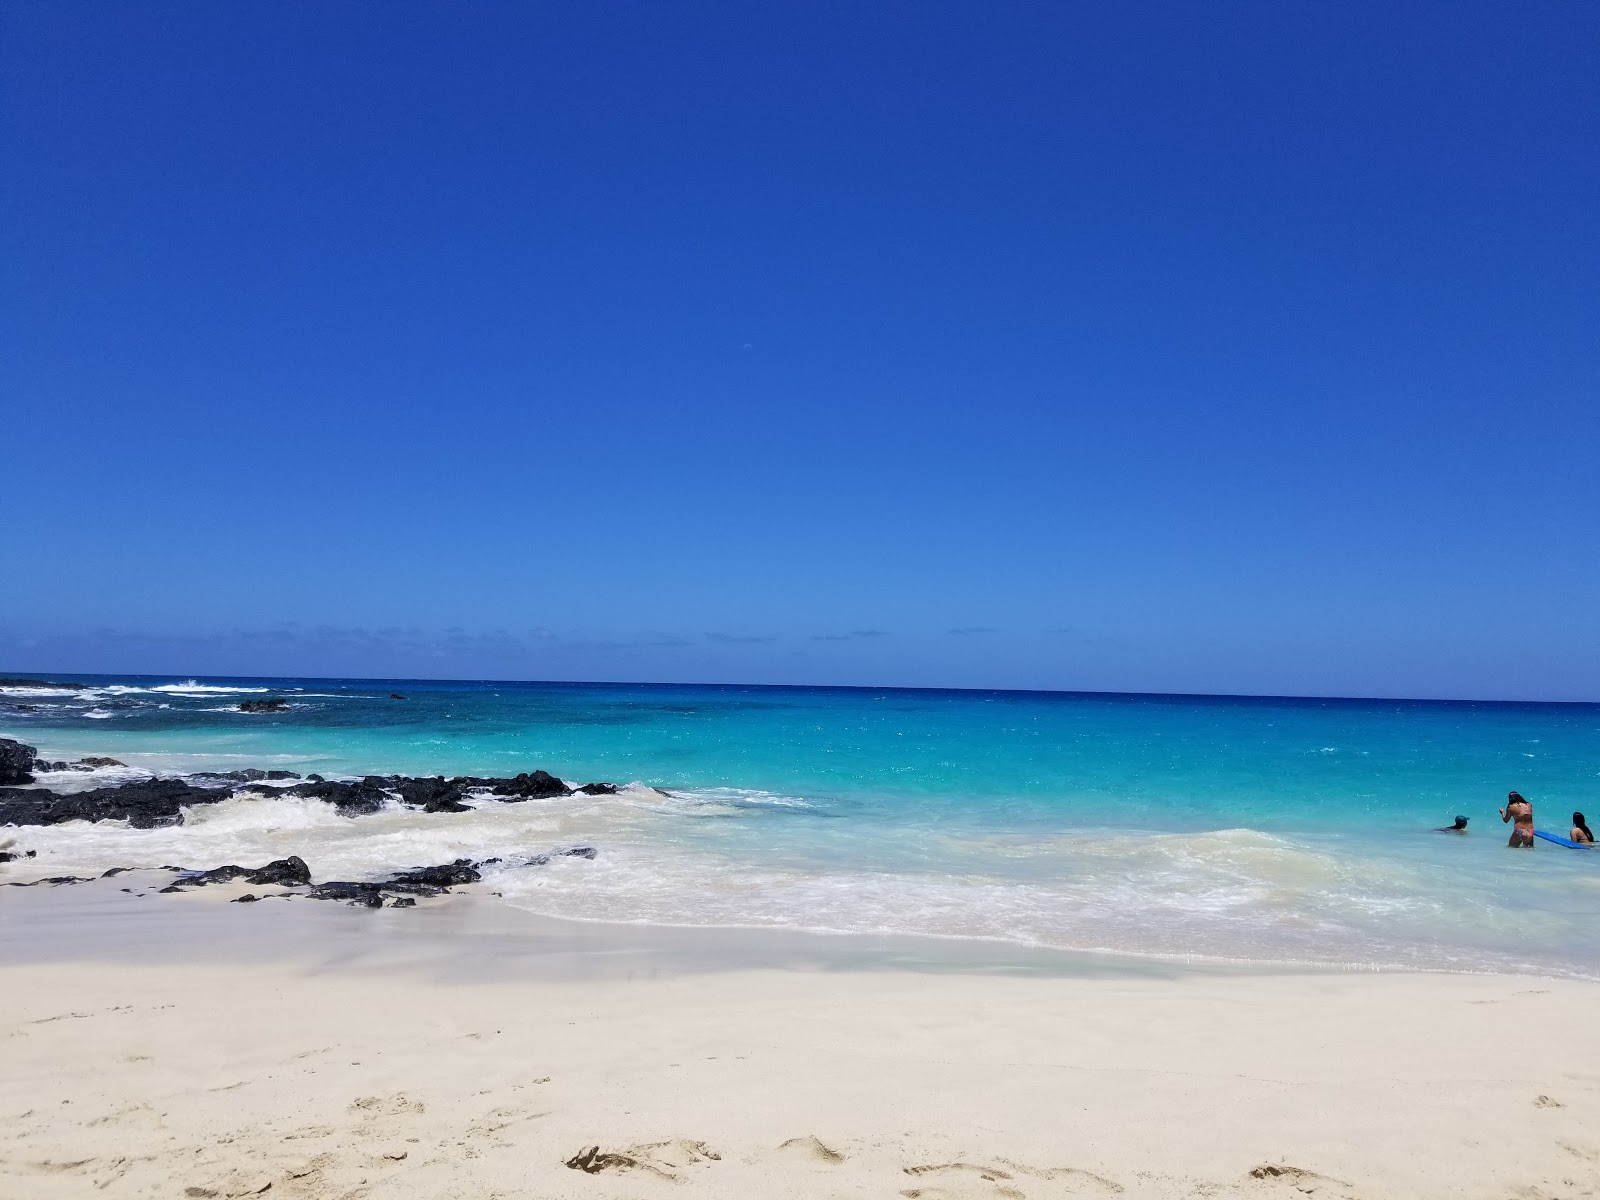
(45, 677)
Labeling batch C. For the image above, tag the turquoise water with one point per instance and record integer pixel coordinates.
(1241, 829)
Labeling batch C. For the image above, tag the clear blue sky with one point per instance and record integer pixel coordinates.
(1200, 347)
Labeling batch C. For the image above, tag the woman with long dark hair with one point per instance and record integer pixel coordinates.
(1519, 810)
(1580, 831)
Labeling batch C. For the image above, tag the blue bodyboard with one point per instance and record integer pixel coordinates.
(1561, 841)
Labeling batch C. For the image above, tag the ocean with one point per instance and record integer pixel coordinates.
(1188, 828)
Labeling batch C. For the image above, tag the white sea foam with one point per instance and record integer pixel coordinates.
(1231, 894)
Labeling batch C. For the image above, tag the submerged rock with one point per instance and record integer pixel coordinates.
(598, 789)
(95, 760)
(16, 762)
(248, 775)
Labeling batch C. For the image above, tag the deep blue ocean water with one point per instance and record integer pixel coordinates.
(1277, 830)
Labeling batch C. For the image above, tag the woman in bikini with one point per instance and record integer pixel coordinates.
(1519, 810)
(1580, 831)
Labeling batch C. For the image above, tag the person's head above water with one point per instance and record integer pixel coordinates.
(1461, 823)
(1579, 823)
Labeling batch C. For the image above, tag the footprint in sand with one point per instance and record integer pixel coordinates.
(386, 1106)
(958, 1180)
(963, 1180)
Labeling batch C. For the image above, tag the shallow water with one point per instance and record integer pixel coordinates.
(1227, 829)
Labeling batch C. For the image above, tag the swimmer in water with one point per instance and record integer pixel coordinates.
(1459, 827)
(1519, 810)
(1580, 831)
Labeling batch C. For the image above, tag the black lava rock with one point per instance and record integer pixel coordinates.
(273, 705)
(581, 852)
(351, 799)
(369, 895)
(16, 762)
(288, 872)
(599, 789)
(538, 785)
(449, 875)
(432, 795)
(143, 803)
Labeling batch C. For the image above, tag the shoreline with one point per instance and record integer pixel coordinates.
(464, 1049)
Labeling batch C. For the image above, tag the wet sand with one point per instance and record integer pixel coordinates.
(170, 1046)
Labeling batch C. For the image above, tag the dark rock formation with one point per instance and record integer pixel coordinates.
(42, 683)
(286, 872)
(55, 881)
(247, 898)
(271, 705)
(144, 803)
(369, 895)
(396, 696)
(12, 856)
(580, 852)
(539, 785)
(403, 902)
(84, 765)
(351, 799)
(16, 762)
(432, 795)
(95, 760)
(446, 876)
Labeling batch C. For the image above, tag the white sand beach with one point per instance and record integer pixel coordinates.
(201, 1049)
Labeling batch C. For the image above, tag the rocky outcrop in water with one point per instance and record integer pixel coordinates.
(42, 683)
(147, 803)
(272, 705)
(144, 803)
(16, 762)
(433, 795)
(357, 799)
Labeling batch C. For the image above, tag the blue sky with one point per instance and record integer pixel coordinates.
(1226, 348)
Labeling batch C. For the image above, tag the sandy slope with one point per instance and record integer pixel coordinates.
(305, 1079)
